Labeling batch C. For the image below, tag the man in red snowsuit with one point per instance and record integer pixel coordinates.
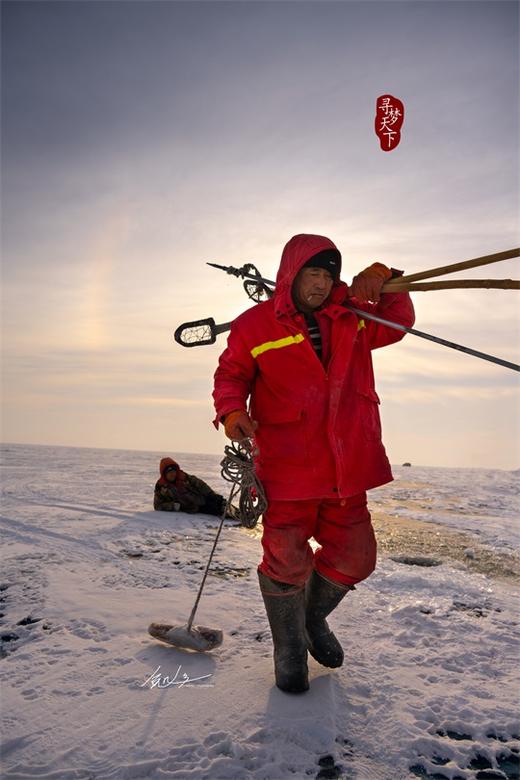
(297, 376)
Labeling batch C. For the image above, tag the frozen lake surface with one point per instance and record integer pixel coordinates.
(429, 687)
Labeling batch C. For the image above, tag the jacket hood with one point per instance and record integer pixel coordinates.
(167, 462)
(297, 251)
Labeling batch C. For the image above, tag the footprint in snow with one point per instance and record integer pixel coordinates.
(329, 769)
(89, 629)
(28, 621)
(229, 571)
(9, 638)
(6, 638)
(497, 760)
(473, 609)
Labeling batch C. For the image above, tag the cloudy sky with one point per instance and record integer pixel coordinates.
(142, 139)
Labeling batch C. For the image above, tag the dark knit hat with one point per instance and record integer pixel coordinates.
(329, 259)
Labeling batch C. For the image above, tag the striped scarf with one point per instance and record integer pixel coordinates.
(314, 333)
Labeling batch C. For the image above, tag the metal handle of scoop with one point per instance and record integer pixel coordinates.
(191, 637)
(234, 490)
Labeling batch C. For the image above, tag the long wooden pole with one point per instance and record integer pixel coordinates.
(450, 269)
(398, 285)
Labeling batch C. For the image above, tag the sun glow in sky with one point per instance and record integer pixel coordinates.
(142, 139)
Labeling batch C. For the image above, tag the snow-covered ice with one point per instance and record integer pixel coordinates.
(429, 687)
(483, 501)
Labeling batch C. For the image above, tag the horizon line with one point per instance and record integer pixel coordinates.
(221, 454)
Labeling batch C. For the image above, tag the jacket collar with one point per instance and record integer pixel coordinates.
(284, 304)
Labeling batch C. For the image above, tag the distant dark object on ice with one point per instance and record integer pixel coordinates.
(407, 464)
(415, 560)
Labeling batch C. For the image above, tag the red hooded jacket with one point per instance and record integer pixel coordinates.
(319, 430)
(180, 478)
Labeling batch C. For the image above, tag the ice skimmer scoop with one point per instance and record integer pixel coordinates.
(190, 637)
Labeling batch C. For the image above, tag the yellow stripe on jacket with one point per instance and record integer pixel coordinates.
(278, 344)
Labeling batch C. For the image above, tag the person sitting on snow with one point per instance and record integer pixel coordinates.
(177, 491)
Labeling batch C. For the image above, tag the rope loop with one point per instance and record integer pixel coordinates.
(238, 467)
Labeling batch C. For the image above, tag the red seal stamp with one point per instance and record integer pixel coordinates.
(388, 122)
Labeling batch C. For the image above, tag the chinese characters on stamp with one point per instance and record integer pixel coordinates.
(388, 122)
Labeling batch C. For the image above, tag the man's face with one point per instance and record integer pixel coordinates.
(312, 287)
(171, 475)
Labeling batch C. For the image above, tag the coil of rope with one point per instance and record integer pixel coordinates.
(237, 467)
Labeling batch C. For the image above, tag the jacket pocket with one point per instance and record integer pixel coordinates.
(280, 435)
(278, 415)
(369, 411)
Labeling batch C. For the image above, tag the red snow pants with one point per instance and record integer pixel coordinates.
(342, 527)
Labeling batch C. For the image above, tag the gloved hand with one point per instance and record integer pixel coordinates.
(366, 286)
(238, 425)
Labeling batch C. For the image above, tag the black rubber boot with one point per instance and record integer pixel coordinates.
(321, 597)
(285, 607)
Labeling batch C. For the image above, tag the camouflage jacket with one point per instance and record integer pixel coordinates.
(189, 497)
